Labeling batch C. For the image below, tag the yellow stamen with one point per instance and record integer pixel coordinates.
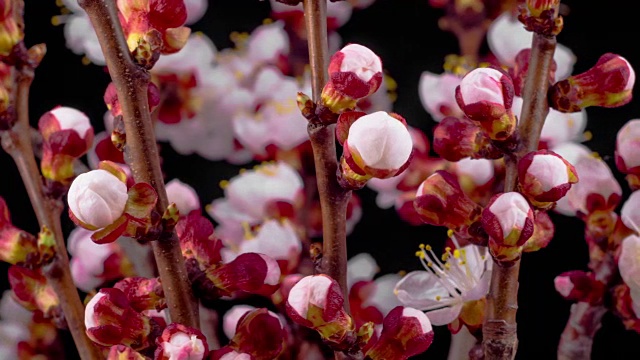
(224, 184)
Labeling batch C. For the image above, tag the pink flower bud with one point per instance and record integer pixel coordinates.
(32, 291)
(316, 302)
(608, 84)
(355, 72)
(378, 145)
(232, 317)
(197, 240)
(406, 332)
(110, 320)
(183, 195)
(545, 177)
(440, 201)
(252, 273)
(486, 95)
(578, 285)
(143, 294)
(508, 219)
(97, 198)
(17, 247)
(455, 139)
(66, 135)
(627, 146)
(597, 190)
(181, 342)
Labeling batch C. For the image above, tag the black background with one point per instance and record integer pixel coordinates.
(405, 34)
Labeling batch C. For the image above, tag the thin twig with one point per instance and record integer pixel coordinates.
(17, 142)
(333, 198)
(131, 82)
(500, 328)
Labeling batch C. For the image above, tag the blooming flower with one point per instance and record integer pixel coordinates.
(183, 195)
(462, 276)
(438, 95)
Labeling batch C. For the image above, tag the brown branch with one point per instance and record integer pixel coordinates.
(333, 198)
(500, 328)
(131, 82)
(17, 143)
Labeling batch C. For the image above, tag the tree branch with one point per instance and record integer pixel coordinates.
(17, 143)
(333, 198)
(131, 82)
(500, 328)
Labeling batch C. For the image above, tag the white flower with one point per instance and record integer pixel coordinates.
(183, 195)
(630, 268)
(87, 262)
(97, 198)
(463, 275)
(438, 95)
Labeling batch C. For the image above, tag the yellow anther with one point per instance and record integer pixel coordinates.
(447, 266)
(427, 247)
(224, 184)
(248, 234)
(419, 254)
(430, 264)
(55, 20)
(438, 298)
(588, 135)
(450, 233)
(447, 249)
(421, 246)
(456, 253)
(85, 61)
(267, 21)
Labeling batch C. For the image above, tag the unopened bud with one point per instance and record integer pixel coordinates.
(406, 332)
(440, 201)
(17, 247)
(355, 72)
(181, 342)
(541, 16)
(259, 333)
(455, 139)
(545, 177)
(608, 84)
(597, 190)
(508, 219)
(578, 285)
(543, 231)
(250, 272)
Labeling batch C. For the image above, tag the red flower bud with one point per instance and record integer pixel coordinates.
(250, 272)
(440, 201)
(541, 16)
(197, 240)
(406, 332)
(32, 291)
(608, 84)
(110, 320)
(545, 177)
(142, 293)
(66, 135)
(11, 31)
(355, 72)
(259, 333)
(17, 247)
(578, 285)
(543, 231)
(455, 139)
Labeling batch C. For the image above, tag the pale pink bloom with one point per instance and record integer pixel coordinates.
(248, 195)
(276, 239)
(196, 57)
(595, 178)
(97, 198)
(232, 317)
(195, 10)
(268, 43)
(628, 144)
(480, 171)
(183, 346)
(443, 287)
(549, 170)
(483, 85)
(183, 195)
(630, 213)
(507, 36)
(14, 326)
(572, 152)
(362, 267)
(87, 259)
(382, 142)
(630, 268)
(559, 127)
(310, 290)
(278, 121)
(80, 37)
(438, 95)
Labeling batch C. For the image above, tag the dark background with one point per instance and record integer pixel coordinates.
(405, 34)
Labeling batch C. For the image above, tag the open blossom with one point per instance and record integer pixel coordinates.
(443, 288)
(277, 239)
(377, 145)
(355, 72)
(97, 198)
(66, 135)
(609, 83)
(438, 95)
(630, 268)
(507, 37)
(630, 213)
(248, 198)
(545, 177)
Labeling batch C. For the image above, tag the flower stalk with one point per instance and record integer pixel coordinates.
(333, 198)
(131, 81)
(500, 328)
(17, 142)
